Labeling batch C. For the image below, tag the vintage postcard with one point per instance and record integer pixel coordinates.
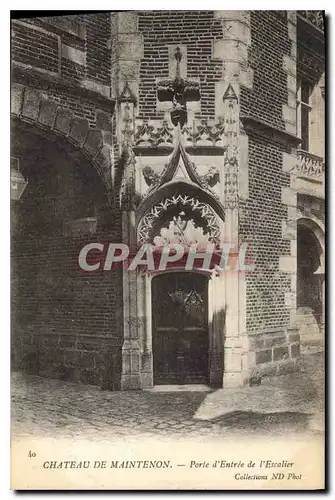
(168, 250)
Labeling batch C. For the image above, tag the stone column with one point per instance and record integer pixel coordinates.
(232, 49)
(146, 338)
(127, 51)
(216, 320)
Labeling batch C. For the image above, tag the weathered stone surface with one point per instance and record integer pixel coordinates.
(93, 141)
(280, 353)
(31, 102)
(48, 112)
(263, 356)
(63, 120)
(295, 351)
(16, 98)
(78, 130)
(270, 342)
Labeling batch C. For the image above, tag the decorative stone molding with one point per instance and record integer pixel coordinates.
(31, 106)
(206, 212)
(310, 166)
(315, 17)
(199, 133)
(154, 133)
(256, 126)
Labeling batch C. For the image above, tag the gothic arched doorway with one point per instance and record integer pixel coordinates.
(180, 328)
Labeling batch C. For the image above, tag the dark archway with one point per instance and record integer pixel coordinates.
(309, 279)
(62, 320)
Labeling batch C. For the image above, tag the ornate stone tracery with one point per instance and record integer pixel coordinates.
(204, 210)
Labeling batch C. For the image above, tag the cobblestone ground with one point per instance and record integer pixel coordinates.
(287, 404)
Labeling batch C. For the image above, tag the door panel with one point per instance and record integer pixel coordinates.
(180, 329)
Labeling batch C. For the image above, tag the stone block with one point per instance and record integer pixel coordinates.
(97, 87)
(247, 78)
(48, 112)
(243, 16)
(93, 141)
(295, 350)
(280, 353)
(103, 121)
(289, 114)
(263, 356)
(292, 84)
(294, 337)
(104, 158)
(16, 98)
(292, 214)
(293, 283)
(289, 230)
(87, 359)
(234, 380)
(72, 358)
(275, 341)
(233, 50)
(31, 103)
(293, 246)
(123, 22)
(291, 98)
(75, 55)
(289, 65)
(232, 360)
(63, 121)
(289, 196)
(78, 130)
(287, 264)
(89, 377)
(256, 342)
(129, 47)
(291, 128)
(290, 162)
(290, 299)
(236, 30)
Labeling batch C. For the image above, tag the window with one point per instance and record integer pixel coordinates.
(303, 109)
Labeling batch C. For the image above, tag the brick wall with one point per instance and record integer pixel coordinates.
(38, 44)
(269, 43)
(262, 226)
(66, 324)
(98, 51)
(195, 29)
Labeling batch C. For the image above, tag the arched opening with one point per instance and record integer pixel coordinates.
(310, 279)
(188, 350)
(180, 328)
(57, 310)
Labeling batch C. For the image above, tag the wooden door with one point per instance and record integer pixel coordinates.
(180, 328)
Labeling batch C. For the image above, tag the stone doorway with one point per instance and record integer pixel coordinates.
(310, 285)
(180, 337)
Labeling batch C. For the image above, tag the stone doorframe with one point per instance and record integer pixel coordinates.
(318, 229)
(230, 358)
(215, 328)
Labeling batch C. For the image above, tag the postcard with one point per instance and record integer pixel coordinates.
(168, 250)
